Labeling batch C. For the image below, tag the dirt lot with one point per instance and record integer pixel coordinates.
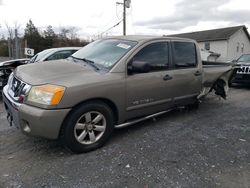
(209, 147)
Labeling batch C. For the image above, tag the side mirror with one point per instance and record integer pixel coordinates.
(138, 67)
(234, 61)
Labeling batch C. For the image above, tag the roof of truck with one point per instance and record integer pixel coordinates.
(140, 38)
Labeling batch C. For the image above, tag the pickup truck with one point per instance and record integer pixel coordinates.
(110, 83)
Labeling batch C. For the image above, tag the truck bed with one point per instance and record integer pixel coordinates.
(216, 70)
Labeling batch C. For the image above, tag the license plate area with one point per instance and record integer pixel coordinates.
(9, 115)
(12, 113)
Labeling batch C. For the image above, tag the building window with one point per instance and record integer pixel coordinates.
(242, 48)
(238, 47)
(207, 46)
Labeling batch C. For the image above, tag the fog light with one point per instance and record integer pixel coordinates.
(26, 127)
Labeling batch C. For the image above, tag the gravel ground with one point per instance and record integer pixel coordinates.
(208, 147)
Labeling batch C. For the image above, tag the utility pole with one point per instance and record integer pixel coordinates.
(16, 44)
(9, 47)
(126, 4)
(124, 18)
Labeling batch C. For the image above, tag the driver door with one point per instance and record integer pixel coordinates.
(150, 92)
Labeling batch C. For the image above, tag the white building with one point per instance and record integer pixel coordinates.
(225, 44)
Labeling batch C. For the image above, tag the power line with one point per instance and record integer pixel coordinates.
(111, 27)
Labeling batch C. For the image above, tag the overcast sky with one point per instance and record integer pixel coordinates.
(157, 17)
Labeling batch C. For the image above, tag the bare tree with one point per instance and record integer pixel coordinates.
(13, 39)
(69, 32)
(73, 32)
(10, 40)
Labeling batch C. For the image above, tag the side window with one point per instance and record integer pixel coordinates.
(238, 47)
(156, 55)
(242, 47)
(184, 54)
(207, 46)
(60, 55)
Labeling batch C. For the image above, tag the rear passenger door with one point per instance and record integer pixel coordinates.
(187, 73)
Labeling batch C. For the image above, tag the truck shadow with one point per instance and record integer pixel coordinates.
(147, 125)
(241, 86)
(54, 149)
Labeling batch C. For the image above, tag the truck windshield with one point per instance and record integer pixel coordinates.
(244, 58)
(105, 53)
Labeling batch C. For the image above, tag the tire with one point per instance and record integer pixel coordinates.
(87, 127)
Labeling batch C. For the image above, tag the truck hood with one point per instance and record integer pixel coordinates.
(55, 72)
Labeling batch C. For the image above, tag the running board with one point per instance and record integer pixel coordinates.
(141, 119)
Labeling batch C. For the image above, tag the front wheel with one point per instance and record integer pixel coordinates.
(88, 127)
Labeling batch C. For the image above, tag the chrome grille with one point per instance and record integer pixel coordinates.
(243, 70)
(17, 89)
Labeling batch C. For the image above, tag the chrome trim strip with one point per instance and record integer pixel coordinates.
(186, 96)
(141, 119)
(149, 104)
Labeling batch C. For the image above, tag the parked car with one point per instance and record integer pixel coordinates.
(110, 83)
(54, 54)
(7, 67)
(243, 72)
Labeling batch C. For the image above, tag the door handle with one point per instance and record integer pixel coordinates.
(167, 77)
(197, 73)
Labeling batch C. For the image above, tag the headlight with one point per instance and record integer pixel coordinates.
(46, 94)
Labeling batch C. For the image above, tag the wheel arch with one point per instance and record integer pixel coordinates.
(219, 87)
(106, 101)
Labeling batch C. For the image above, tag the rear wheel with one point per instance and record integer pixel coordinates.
(88, 127)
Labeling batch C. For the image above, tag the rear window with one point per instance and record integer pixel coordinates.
(184, 54)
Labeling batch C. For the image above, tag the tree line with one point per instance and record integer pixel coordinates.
(38, 40)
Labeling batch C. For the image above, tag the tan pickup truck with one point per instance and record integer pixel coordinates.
(110, 83)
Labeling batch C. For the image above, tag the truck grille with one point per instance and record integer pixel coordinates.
(17, 89)
(244, 70)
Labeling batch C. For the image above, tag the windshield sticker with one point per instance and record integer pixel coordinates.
(124, 46)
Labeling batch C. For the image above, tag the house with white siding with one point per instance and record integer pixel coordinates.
(224, 44)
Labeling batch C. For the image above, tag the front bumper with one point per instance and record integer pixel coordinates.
(34, 121)
(241, 78)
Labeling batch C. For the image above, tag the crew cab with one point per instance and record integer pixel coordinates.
(110, 83)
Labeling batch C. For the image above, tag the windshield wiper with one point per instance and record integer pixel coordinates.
(88, 61)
